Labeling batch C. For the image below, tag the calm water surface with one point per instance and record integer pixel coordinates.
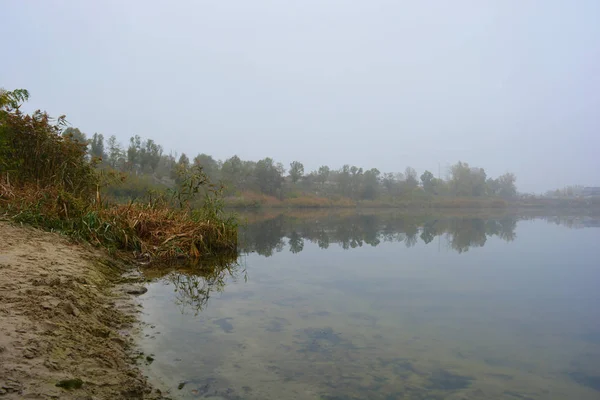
(386, 307)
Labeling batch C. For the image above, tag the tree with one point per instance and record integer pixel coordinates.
(478, 180)
(232, 167)
(75, 135)
(388, 182)
(296, 171)
(323, 174)
(150, 154)
(393, 183)
(411, 181)
(280, 168)
(467, 181)
(234, 173)
(427, 181)
(371, 184)
(180, 169)
(133, 152)
(460, 181)
(492, 188)
(344, 180)
(183, 160)
(356, 178)
(439, 186)
(506, 185)
(209, 165)
(165, 166)
(97, 146)
(269, 176)
(116, 155)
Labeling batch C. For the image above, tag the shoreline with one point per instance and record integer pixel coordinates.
(68, 320)
(443, 205)
(444, 212)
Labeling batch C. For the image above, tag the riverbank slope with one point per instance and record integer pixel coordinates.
(65, 326)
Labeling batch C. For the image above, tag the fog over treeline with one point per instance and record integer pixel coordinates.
(504, 85)
(145, 161)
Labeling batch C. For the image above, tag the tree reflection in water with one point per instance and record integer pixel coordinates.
(195, 283)
(268, 235)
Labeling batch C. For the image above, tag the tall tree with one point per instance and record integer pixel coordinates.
(323, 174)
(356, 180)
(232, 172)
(371, 184)
(97, 146)
(116, 155)
(150, 154)
(506, 185)
(209, 165)
(296, 171)
(165, 166)
(181, 168)
(411, 178)
(427, 181)
(133, 152)
(479, 177)
(269, 176)
(467, 181)
(390, 183)
(344, 180)
(75, 135)
(184, 160)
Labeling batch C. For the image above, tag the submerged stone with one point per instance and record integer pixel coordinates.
(70, 384)
(590, 381)
(445, 380)
(224, 324)
(135, 290)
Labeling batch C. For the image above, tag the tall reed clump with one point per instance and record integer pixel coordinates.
(48, 181)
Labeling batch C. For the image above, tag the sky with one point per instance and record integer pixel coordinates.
(506, 85)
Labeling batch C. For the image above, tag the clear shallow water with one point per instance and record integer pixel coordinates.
(386, 307)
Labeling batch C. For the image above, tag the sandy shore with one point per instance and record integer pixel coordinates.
(64, 322)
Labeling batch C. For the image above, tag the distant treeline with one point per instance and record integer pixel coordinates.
(146, 160)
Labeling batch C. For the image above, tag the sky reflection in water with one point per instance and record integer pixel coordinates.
(385, 307)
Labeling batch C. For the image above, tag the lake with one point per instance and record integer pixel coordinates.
(384, 306)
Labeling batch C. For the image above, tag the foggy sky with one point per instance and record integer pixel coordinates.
(504, 85)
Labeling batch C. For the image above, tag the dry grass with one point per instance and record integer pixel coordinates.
(167, 233)
(154, 231)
